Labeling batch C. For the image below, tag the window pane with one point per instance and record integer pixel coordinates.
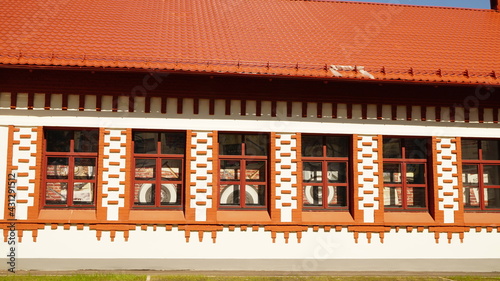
(57, 167)
(144, 194)
(313, 195)
(255, 195)
(256, 170)
(145, 142)
(470, 149)
(415, 173)
(470, 175)
(145, 169)
(312, 172)
(337, 172)
(229, 170)
(84, 168)
(337, 196)
(392, 197)
(471, 197)
(416, 148)
(83, 193)
(490, 149)
(230, 144)
(337, 146)
(392, 148)
(56, 193)
(392, 173)
(86, 140)
(312, 146)
(415, 197)
(491, 175)
(256, 144)
(58, 140)
(171, 169)
(492, 198)
(170, 194)
(230, 194)
(173, 143)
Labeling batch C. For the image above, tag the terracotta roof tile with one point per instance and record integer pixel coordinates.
(275, 37)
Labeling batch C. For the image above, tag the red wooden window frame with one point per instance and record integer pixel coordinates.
(324, 160)
(404, 179)
(480, 162)
(242, 160)
(71, 157)
(159, 159)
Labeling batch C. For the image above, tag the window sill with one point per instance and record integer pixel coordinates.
(408, 218)
(243, 216)
(67, 215)
(482, 218)
(321, 217)
(164, 216)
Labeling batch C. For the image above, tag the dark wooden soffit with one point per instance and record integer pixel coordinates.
(243, 87)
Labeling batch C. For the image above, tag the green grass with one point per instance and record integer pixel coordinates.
(129, 277)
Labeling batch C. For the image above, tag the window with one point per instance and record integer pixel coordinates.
(70, 160)
(243, 170)
(158, 168)
(405, 173)
(481, 174)
(325, 162)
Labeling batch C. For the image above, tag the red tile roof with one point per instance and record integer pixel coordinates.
(272, 37)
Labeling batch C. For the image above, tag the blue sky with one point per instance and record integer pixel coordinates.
(478, 4)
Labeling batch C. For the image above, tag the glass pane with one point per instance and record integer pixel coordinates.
(470, 175)
(255, 195)
(392, 148)
(144, 194)
(312, 172)
(337, 196)
(416, 148)
(256, 144)
(415, 173)
(312, 146)
(415, 197)
(145, 169)
(173, 143)
(83, 193)
(84, 168)
(392, 173)
(313, 195)
(230, 194)
(337, 172)
(392, 197)
(171, 169)
(170, 194)
(470, 149)
(229, 170)
(471, 197)
(490, 149)
(86, 140)
(58, 140)
(56, 193)
(491, 175)
(145, 142)
(57, 167)
(492, 198)
(230, 144)
(256, 171)
(337, 146)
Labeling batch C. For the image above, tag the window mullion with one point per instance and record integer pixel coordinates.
(71, 184)
(243, 170)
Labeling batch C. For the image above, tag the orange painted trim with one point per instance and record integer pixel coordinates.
(10, 168)
(189, 211)
(459, 215)
(433, 186)
(34, 210)
(297, 213)
(274, 212)
(101, 211)
(379, 214)
(354, 199)
(124, 212)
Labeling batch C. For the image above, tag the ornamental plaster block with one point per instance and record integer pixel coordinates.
(447, 178)
(113, 176)
(368, 180)
(24, 164)
(201, 177)
(286, 175)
